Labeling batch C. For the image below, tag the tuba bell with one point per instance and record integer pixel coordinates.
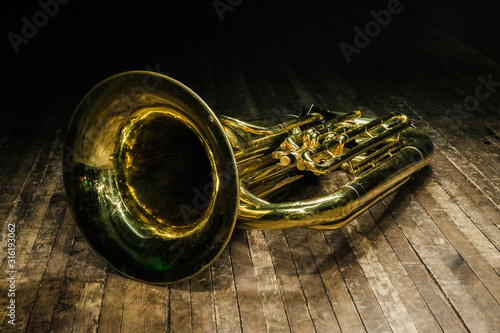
(156, 182)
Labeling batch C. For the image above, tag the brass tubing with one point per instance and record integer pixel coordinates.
(291, 142)
(368, 161)
(332, 164)
(279, 128)
(336, 209)
(157, 182)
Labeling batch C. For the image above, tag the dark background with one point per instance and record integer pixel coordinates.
(87, 41)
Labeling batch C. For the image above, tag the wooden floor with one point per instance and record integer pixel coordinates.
(427, 259)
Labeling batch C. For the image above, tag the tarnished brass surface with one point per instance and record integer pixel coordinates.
(156, 182)
(150, 177)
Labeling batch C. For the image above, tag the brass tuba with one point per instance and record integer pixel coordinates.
(156, 182)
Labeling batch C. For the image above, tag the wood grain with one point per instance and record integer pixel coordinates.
(425, 259)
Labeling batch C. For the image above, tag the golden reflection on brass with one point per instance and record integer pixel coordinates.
(156, 182)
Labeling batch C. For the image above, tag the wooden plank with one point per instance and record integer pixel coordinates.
(393, 288)
(134, 304)
(475, 204)
(25, 156)
(317, 301)
(250, 308)
(364, 299)
(466, 151)
(156, 309)
(225, 300)
(387, 295)
(180, 314)
(485, 302)
(478, 261)
(467, 61)
(471, 173)
(417, 271)
(483, 155)
(465, 305)
(273, 96)
(33, 198)
(367, 306)
(112, 303)
(477, 207)
(396, 293)
(493, 137)
(65, 311)
(89, 307)
(292, 291)
(30, 278)
(269, 290)
(334, 284)
(145, 308)
(84, 266)
(202, 299)
(50, 288)
(27, 216)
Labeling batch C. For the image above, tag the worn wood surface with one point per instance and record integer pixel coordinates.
(426, 259)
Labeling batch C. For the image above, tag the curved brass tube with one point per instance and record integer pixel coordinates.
(156, 182)
(340, 207)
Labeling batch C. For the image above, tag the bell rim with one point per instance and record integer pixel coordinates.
(231, 189)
